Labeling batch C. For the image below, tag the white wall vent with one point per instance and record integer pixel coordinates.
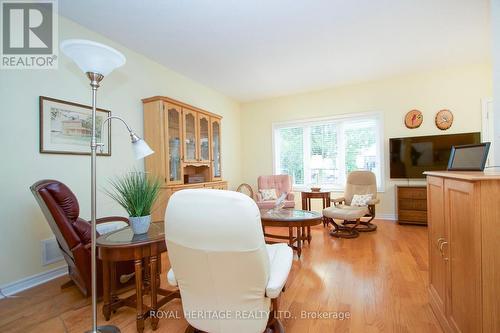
(50, 252)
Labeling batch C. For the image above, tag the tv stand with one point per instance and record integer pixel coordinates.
(411, 204)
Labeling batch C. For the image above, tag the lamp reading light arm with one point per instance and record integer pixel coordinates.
(134, 137)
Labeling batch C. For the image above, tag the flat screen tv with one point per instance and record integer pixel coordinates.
(411, 156)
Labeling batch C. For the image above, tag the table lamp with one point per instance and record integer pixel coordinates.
(316, 163)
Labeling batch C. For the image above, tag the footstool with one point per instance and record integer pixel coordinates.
(351, 215)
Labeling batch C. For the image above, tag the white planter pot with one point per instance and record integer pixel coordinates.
(140, 224)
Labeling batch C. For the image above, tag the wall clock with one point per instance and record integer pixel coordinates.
(444, 119)
(414, 119)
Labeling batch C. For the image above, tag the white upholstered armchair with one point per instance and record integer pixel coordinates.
(221, 264)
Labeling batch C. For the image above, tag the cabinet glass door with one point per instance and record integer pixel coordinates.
(189, 136)
(216, 157)
(174, 144)
(204, 138)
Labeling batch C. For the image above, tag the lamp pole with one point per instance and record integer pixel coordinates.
(95, 79)
(96, 61)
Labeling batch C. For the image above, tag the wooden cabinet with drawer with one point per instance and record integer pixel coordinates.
(464, 261)
(411, 202)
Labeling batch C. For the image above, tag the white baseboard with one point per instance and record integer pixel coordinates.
(32, 281)
(391, 217)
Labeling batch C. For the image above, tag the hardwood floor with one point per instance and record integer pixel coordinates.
(380, 278)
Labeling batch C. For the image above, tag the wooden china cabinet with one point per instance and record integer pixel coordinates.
(187, 145)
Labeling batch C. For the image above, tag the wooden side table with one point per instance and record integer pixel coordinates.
(306, 202)
(123, 245)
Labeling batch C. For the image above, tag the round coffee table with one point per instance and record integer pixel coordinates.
(292, 219)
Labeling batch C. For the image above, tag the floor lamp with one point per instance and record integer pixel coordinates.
(97, 61)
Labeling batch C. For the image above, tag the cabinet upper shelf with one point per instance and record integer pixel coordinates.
(181, 104)
(186, 139)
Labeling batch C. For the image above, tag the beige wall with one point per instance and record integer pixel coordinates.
(459, 89)
(22, 225)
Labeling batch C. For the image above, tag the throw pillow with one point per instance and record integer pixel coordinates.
(269, 194)
(361, 200)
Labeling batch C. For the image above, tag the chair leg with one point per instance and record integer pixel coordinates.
(362, 226)
(191, 329)
(274, 325)
(365, 226)
(344, 232)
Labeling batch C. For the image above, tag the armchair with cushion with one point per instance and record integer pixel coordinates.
(73, 234)
(221, 263)
(360, 185)
(280, 183)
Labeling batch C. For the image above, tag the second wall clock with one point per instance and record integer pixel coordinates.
(444, 119)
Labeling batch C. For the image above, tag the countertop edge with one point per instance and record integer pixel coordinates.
(465, 175)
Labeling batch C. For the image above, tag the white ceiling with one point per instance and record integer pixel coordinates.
(254, 49)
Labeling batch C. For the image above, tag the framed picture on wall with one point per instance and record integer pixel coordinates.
(66, 128)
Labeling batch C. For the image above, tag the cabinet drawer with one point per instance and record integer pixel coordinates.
(412, 204)
(412, 215)
(412, 193)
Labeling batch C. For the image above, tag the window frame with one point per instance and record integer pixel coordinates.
(332, 119)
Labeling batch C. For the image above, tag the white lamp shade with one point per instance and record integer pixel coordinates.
(141, 149)
(92, 57)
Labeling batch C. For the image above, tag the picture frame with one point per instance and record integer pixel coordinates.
(65, 128)
(469, 157)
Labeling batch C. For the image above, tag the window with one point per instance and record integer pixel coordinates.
(324, 151)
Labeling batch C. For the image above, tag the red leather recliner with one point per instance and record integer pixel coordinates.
(73, 234)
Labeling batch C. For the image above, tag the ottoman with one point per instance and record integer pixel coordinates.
(347, 214)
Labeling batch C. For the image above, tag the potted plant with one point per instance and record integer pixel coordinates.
(136, 192)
